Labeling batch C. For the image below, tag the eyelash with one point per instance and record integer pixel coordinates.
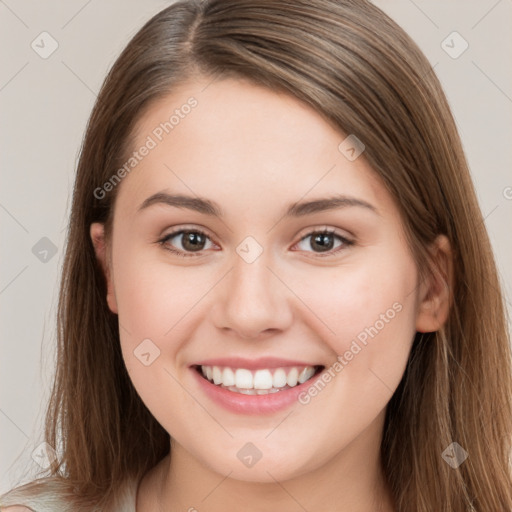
(163, 241)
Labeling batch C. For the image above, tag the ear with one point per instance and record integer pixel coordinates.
(97, 232)
(436, 290)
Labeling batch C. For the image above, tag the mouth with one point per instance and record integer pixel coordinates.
(262, 381)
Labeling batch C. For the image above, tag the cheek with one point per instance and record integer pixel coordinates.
(366, 313)
(151, 295)
(159, 305)
(152, 298)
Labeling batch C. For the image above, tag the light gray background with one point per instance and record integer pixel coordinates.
(45, 104)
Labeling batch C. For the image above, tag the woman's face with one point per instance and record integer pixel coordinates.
(262, 290)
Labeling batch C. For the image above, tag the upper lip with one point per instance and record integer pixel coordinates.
(254, 364)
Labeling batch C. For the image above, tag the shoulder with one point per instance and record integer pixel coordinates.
(56, 494)
(49, 494)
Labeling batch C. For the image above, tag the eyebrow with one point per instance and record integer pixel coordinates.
(297, 209)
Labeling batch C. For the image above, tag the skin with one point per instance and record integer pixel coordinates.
(254, 151)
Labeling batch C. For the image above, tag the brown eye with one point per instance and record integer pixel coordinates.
(324, 242)
(188, 241)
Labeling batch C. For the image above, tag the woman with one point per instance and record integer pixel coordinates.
(330, 333)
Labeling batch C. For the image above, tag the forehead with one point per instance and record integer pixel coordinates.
(244, 146)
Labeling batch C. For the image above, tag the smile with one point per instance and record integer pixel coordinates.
(258, 382)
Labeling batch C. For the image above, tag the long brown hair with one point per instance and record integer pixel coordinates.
(363, 73)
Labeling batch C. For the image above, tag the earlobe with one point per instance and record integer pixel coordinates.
(436, 291)
(97, 232)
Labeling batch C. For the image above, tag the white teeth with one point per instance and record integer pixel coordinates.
(228, 377)
(262, 379)
(247, 391)
(306, 374)
(292, 377)
(279, 378)
(259, 382)
(217, 375)
(243, 379)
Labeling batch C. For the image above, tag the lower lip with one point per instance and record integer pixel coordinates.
(252, 404)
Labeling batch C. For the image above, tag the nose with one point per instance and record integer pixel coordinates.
(252, 300)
